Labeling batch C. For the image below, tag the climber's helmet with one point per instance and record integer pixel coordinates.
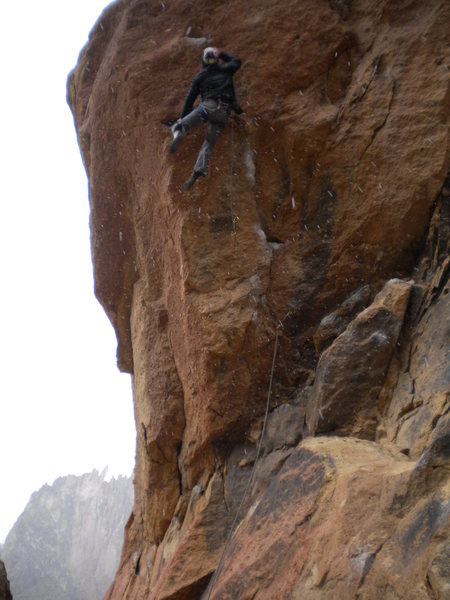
(210, 56)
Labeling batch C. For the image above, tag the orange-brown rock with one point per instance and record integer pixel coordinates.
(315, 200)
(340, 528)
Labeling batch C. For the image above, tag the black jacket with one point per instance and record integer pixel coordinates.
(214, 82)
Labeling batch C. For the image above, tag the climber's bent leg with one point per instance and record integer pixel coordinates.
(213, 133)
(193, 119)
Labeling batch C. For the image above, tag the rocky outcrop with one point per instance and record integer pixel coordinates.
(351, 372)
(335, 323)
(340, 527)
(322, 225)
(66, 544)
(416, 394)
(5, 592)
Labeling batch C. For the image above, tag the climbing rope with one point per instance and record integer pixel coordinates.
(234, 218)
(244, 497)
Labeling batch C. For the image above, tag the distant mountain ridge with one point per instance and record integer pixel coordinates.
(66, 544)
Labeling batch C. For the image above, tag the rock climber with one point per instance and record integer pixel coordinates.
(215, 84)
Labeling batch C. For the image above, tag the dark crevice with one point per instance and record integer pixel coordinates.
(442, 281)
(192, 591)
(434, 248)
(138, 563)
(180, 480)
(379, 127)
(435, 421)
(368, 564)
(371, 78)
(144, 431)
(216, 412)
(410, 354)
(271, 239)
(323, 579)
(410, 409)
(429, 588)
(162, 453)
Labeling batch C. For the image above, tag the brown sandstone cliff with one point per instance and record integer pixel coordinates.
(335, 180)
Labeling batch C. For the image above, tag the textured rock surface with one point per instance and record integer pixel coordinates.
(66, 544)
(418, 384)
(335, 323)
(331, 180)
(5, 592)
(351, 372)
(339, 527)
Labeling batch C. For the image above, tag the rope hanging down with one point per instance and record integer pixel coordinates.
(244, 497)
(234, 218)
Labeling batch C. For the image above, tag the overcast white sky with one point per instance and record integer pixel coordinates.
(65, 408)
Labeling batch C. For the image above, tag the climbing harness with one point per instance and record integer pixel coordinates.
(202, 112)
(244, 497)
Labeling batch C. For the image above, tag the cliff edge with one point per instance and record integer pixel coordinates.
(321, 233)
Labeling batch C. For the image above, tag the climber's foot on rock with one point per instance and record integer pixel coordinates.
(192, 179)
(177, 133)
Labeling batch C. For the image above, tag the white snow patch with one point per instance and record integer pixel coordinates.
(379, 336)
(328, 319)
(200, 41)
(250, 166)
(276, 245)
(260, 233)
(255, 281)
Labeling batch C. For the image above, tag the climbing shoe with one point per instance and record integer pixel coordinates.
(192, 179)
(177, 133)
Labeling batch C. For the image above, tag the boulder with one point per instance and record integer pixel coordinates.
(335, 323)
(351, 372)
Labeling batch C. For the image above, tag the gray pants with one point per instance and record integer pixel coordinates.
(216, 116)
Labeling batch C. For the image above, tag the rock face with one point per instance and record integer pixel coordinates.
(360, 357)
(66, 544)
(335, 512)
(5, 592)
(323, 224)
